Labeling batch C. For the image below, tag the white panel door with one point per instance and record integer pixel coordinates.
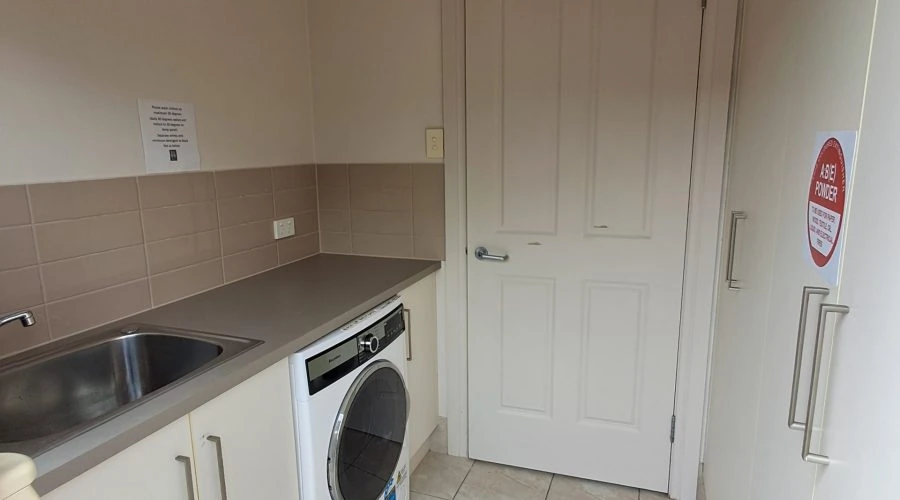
(579, 135)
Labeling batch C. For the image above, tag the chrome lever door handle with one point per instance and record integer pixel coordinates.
(808, 291)
(482, 253)
(808, 455)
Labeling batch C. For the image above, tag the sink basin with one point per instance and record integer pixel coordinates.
(56, 392)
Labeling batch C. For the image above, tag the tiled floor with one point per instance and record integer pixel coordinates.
(442, 477)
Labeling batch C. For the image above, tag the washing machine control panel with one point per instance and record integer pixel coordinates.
(329, 366)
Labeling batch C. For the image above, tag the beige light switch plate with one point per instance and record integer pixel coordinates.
(434, 143)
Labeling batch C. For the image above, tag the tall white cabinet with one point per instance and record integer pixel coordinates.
(802, 69)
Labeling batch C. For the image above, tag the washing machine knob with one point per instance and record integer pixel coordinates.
(369, 343)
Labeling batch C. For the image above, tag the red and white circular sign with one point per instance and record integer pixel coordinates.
(827, 197)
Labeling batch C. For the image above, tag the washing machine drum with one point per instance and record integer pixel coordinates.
(368, 434)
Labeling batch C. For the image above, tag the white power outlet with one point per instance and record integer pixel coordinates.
(284, 228)
(434, 143)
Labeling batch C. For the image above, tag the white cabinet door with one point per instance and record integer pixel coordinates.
(756, 146)
(148, 470)
(252, 427)
(421, 371)
(862, 408)
(823, 32)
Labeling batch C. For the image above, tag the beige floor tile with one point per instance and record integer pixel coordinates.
(440, 475)
(570, 488)
(419, 496)
(488, 481)
(652, 495)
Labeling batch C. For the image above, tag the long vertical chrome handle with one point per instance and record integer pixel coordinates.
(808, 291)
(733, 284)
(408, 314)
(216, 440)
(188, 475)
(808, 455)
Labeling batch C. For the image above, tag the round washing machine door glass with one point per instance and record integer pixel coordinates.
(368, 434)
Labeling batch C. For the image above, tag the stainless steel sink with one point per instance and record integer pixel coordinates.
(53, 393)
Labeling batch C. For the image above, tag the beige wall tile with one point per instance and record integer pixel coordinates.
(297, 247)
(175, 253)
(236, 239)
(295, 201)
(387, 199)
(382, 245)
(332, 175)
(296, 177)
(231, 183)
(187, 281)
(20, 288)
(179, 220)
(17, 248)
(334, 196)
(70, 200)
(176, 189)
(336, 221)
(96, 308)
(306, 223)
(69, 277)
(428, 223)
(14, 337)
(335, 242)
(236, 211)
(62, 240)
(429, 247)
(374, 222)
(255, 261)
(14, 206)
(428, 187)
(381, 176)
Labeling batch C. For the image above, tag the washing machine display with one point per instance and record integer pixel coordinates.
(368, 433)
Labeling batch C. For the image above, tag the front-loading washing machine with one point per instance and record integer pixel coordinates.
(351, 409)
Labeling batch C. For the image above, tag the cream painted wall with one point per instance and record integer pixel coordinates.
(71, 74)
(377, 78)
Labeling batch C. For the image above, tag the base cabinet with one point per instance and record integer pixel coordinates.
(159, 467)
(422, 371)
(238, 446)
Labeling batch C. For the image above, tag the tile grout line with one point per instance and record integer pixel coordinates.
(461, 483)
(219, 224)
(37, 258)
(550, 486)
(137, 186)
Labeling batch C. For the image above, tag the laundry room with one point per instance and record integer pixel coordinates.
(447, 249)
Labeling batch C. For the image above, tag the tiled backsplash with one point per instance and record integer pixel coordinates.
(384, 210)
(80, 254)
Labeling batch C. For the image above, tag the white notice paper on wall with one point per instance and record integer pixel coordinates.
(169, 133)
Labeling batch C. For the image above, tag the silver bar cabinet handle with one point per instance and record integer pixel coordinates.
(188, 474)
(808, 291)
(482, 253)
(808, 455)
(216, 440)
(408, 314)
(736, 215)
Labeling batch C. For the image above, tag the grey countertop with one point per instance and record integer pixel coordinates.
(288, 308)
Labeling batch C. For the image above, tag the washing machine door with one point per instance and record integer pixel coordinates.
(368, 434)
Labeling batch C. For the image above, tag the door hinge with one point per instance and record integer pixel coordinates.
(672, 431)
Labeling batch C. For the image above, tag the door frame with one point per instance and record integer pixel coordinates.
(702, 251)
